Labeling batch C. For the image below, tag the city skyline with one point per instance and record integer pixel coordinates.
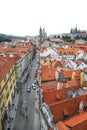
(24, 17)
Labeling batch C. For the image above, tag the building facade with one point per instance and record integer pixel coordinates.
(7, 88)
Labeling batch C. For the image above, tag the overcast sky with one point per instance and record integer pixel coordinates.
(24, 17)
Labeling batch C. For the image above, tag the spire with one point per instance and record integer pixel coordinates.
(40, 34)
(40, 31)
(76, 29)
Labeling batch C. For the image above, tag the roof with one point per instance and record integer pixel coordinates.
(59, 94)
(61, 126)
(56, 40)
(77, 120)
(68, 74)
(47, 63)
(67, 51)
(19, 49)
(70, 105)
(55, 64)
(5, 66)
(48, 74)
(49, 86)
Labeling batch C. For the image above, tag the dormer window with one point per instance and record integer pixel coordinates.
(52, 87)
(57, 96)
(48, 88)
(65, 112)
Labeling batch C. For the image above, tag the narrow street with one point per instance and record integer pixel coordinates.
(28, 98)
(26, 118)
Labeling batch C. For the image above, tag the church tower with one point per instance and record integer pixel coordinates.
(40, 34)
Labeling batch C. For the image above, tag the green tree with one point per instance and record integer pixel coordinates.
(67, 38)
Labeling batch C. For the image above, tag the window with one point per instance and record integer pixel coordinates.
(57, 96)
(48, 88)
(10, 87)
(7, 95)
(52, 87)
(13, 81)
(66, 113)
(5, 79)
(6, 87)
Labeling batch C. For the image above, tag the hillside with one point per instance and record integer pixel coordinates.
(8, 38)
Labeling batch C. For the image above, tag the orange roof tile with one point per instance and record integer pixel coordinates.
(61, 126)
(71, 105)
(68, 74)
(48, 74)
(66, 51)
(5, 66)
(55, 64)
(49, 86)
(58, 95)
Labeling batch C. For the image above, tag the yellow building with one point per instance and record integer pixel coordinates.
(7, 86)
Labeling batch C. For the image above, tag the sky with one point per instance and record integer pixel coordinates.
(24, 17)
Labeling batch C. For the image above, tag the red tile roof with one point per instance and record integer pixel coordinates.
(61, 126)
(48, 74)
(49, 86)
(71, 105)
(67, 51)
(55, 64)
(6, 63)
(68, 74)
(58, 95)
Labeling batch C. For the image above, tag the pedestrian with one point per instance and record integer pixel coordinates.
(26, 117)
(20, 111)
(12, 118)
(23, 115)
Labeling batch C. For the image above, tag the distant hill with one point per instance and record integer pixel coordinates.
(4, 37)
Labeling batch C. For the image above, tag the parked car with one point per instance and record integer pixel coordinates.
(35, 81)
(33, 86)
(28, 89)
